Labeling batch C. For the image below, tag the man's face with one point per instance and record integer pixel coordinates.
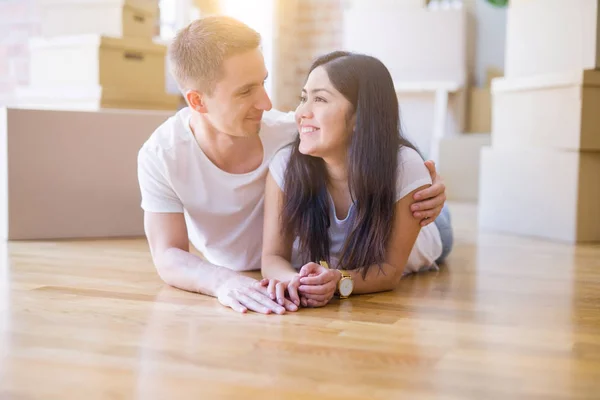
(239, 99)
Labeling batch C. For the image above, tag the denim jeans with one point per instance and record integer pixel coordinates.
(444, 225)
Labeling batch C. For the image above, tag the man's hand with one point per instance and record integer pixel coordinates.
(317, 284)
(277, 290)
(430, 201)
(243, 293)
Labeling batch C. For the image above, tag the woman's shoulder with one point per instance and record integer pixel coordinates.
(278, 164)
(412, 172)
(407, 154)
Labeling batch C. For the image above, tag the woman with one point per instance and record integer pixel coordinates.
(340, 195)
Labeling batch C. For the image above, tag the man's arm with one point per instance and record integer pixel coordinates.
(169, 246)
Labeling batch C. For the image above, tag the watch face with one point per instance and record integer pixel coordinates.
(346, 286)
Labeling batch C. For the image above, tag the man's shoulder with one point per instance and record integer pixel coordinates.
(169, 135)
(279, 126)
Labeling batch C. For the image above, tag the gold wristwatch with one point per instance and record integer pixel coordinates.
(345, 285)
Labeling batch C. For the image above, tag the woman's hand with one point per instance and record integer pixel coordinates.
(277, 290)
(317, 284)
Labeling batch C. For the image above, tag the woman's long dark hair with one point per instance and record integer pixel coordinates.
(372, 168)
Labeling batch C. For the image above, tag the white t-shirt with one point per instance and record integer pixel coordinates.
(223, 211)
(412, 174)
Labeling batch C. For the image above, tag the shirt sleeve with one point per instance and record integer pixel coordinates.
(279, 164)
(412, 172)
(157, 193)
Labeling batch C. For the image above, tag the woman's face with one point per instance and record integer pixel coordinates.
(324, 117)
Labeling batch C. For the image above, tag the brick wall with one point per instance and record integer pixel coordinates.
(305, 29)
(18, 22)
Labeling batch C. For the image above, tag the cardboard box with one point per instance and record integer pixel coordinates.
(480, 110)
(70, 174)
(491, 74)
(415, 44)
(560, 111)
(552, 36)
(94, 98)
(94, 60)
(118, 18)
(459, 165)
(549, 194)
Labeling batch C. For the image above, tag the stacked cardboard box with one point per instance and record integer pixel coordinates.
(72, 174)
(541, 175)
(426, 54)
(95, 54)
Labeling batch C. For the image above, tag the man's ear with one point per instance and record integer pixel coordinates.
(196, 101)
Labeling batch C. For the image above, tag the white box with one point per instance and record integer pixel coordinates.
(414, 44)
(552, 36)
(68, 174)
(391, 5)
(548, 194)
(94, 98)
(119, 18)
(90, 60)
(559, 111)
(459, 165)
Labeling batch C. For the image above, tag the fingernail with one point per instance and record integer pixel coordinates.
(418, 215)
(415, 208)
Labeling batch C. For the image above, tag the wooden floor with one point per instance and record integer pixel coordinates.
(508, 318)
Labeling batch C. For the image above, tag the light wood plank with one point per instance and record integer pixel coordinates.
(507, 318)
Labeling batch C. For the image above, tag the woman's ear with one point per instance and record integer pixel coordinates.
(353, 122)
(196, 101)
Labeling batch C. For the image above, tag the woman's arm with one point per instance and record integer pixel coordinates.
(277, 249)
(404, 234)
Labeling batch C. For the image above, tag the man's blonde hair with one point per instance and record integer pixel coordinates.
(196, 54)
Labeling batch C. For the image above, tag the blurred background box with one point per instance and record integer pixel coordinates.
(72, 174)
(552, 36)
(109, 62)
(117, 18)
(544, 193)
(559, 111)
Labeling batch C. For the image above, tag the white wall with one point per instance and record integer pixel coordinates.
(490, 38)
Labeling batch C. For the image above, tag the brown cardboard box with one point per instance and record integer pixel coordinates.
(480, 114)
(71, 174)
(491, 74)
(118, 18)
(109, 62)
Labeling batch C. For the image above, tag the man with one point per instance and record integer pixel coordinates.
(202, 173)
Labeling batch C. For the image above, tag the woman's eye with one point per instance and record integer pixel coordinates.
(302, 99)
(319, 99)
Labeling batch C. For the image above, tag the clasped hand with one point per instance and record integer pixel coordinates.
(313, 286)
